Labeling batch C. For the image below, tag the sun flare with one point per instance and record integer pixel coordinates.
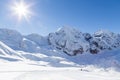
(21, 9)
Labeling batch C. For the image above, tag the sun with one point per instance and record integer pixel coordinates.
(21, 10)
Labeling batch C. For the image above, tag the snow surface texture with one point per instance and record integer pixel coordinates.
(66, 47)
(22, 71)
(39, 59)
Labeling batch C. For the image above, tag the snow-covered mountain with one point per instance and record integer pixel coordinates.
(67, 39)
(29, 43)
(65, 47)
(72, 41)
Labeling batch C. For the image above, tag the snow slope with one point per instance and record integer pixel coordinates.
(22, 71)
(8, 54)
(65, 47)
(68, 75)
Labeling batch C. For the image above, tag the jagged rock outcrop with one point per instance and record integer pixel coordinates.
(73, 42)
(69, 40)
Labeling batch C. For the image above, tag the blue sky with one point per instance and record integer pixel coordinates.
(49, 15)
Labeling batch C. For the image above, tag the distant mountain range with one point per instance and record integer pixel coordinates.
(66, 45)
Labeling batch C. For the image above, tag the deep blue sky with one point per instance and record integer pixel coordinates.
(85, 15)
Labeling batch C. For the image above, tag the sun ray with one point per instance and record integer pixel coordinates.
(21, 10)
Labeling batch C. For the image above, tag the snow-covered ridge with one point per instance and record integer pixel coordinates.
(54, 49)
(17, 41)
(67, 39)
(72, 41)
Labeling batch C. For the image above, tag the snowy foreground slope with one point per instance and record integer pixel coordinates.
(22, 71)
(66, 54)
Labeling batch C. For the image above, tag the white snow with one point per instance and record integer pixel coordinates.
(33, 58)
(23, 71)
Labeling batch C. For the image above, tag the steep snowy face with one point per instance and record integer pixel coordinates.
(11, 37)
(7, 53)
(34, 43)
(5, 50)
(16, 41)
(69, 40)
(40, 40)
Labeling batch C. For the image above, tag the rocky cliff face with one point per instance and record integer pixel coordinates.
(69, 41)
(74, 42)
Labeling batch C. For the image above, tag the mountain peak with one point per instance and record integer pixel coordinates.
(67, 29)
(73, 42)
